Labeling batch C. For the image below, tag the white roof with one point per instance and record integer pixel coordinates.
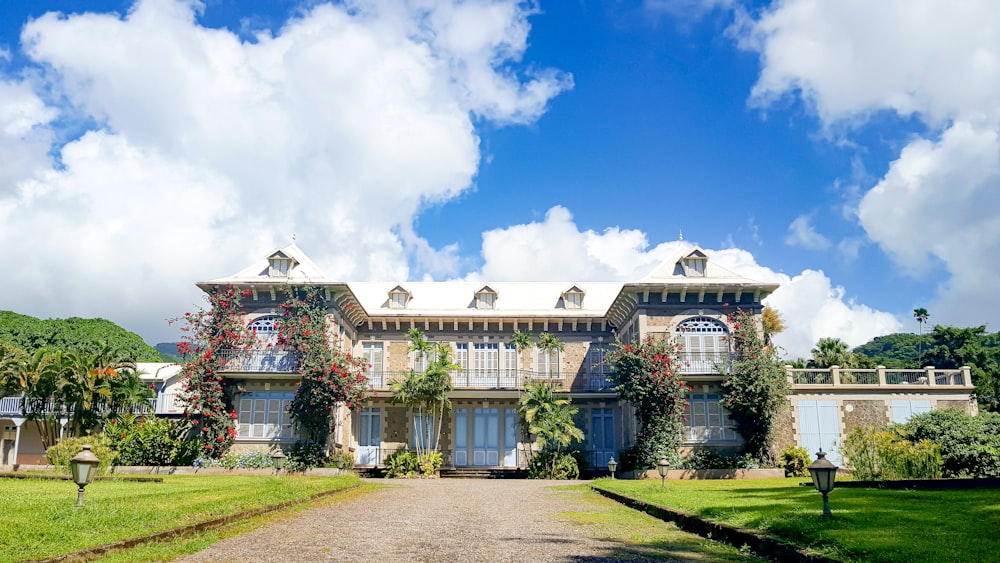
(303, 269)
(453, 298)
(671, 271)
(157, 371)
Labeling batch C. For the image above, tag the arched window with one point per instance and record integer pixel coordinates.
(265, 329)
(705, 343)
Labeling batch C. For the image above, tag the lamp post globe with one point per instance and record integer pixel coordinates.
(661, 467)
(278, 459)
(83, 468)
(612, 466)
(824, 477)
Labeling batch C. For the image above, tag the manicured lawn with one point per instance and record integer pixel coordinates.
(638, 535)
(867, 525)
(41, 518)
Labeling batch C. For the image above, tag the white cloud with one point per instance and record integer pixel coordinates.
(340, 127)
(931, 61)
(801, 233)
(556, 249)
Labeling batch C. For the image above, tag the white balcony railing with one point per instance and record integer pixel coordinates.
(880, 377)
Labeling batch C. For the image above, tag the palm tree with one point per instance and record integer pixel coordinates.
(129, 393)
(921, 315)
(831, 352)
(37, 378)
(86, 383)
(521, 341)
(548, 345)
(549, 416)
(427, 392)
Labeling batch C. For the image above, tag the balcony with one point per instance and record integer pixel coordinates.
(705, 363)
(503, 379)
(271, 360)
(14, 406)
(928, 377)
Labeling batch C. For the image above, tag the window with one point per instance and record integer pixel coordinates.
(265, 330)
(398, 297)
(264, 415)
(485, 360)
(485, 301)
(704, 344)
(372, 352)
(596, 362)
(707, 419)
(280, 267)
(422, 360)
(694, 264)
(548, 362)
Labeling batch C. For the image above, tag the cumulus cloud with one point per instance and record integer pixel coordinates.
(340, 126)
(556, 249)
(922, 60)
(801, 233)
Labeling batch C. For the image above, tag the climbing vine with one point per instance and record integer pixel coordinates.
(755, 388)
(647, 374)
(207, 396)
(329, 376)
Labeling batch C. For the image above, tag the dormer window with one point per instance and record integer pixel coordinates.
(573, 298)
(398, 297)
(279, 265)
(486, 298)
(694, 264)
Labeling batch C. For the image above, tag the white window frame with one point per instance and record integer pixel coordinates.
(707, 419)
(263, 415)
(695, 267)
(547, 362)
(397, 300)
(573, 300)
(486, 300)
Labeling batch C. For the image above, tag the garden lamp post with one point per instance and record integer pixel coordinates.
(824, 476)
(278, 459)
(661, 468)
(612, 465)
(83, 467)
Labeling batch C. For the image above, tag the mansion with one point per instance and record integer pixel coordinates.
(687, 297)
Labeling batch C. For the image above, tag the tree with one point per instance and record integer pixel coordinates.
(772, 324)
(88, 335)
(521, 342)
(209, 398)
(954, 347)
(755, 388)
(921, 315)
(85, 384)
(831, 352)
(427, 392)
(647, 375)
(37, 378)
(329, 377)
(549, 417)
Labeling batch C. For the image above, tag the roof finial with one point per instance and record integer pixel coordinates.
(680, 234)
(293, 238)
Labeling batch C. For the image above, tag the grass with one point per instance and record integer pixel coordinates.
(42, 519)
(867, 524)
(636, 534)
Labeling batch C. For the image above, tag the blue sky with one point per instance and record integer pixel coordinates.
(846, 151)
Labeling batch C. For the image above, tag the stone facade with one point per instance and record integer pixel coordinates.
(864, 413)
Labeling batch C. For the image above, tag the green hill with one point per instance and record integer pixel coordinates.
(30, 334)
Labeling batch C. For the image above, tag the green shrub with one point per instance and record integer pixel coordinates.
(430, 463)
(711, 460)
(795, 461)
(401, 463)
(60, 454)
(970, 445)
(878, 454)
(149, 441)
(306, 454)
(549, 464)
(346, 460)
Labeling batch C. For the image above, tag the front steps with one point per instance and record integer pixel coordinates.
(483, 473)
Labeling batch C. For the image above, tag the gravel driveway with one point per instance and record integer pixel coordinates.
(426, 520)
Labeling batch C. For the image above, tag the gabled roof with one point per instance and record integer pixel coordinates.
(671, 271)
(303, 269)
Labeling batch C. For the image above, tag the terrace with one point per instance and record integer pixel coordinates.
(879, 378)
